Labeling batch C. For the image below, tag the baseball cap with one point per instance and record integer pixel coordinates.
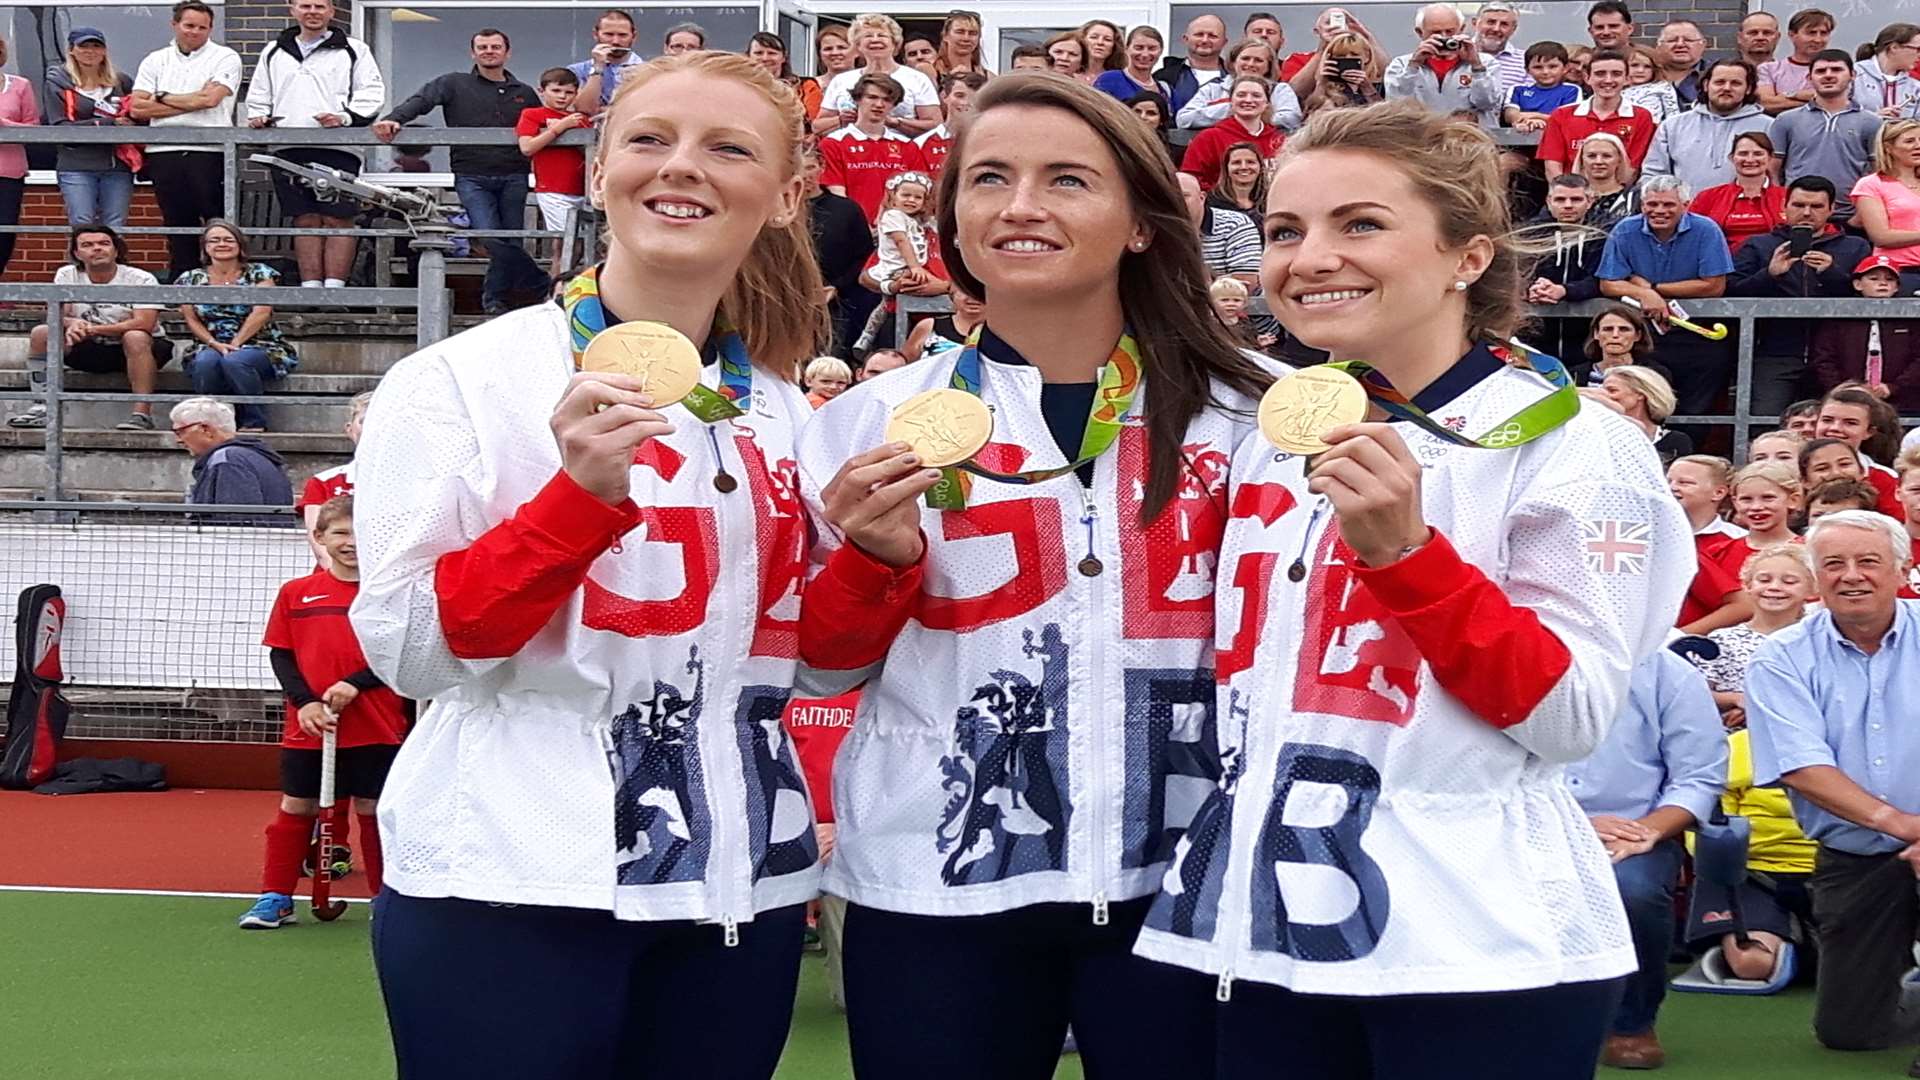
(1875, 262)
(82, 34)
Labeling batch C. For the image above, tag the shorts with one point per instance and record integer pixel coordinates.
(106, 356)
(359, 772)
(1784, 909)
(296, 198)
(554, 209)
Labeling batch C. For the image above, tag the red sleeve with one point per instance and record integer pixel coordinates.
(1889, 489)
(854, 608)
(1553, 139)
(529, 123)
(832, 174)
(1492, 654)
(1291, 65)
(279, 633)
(1640, 141)
(1708, 593)
(1202, 159)
(313, 494)
(498, 592)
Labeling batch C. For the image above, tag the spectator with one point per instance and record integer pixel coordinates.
(876, 38)
(920, 54)
(1698, 145)
(1681, 50)
(1909, 468)
(1494, 25)
(1646, 89)
(901, 239)
(1067, 55)
(1887, 202)
(105, 336)
(1645, 397)
(1186, 76)
(1229, 298)
(960, 45)
(683, 37)
(17, 109)
(1566, 273)
(1604, 164)
(1102, 39)
(1229, 244)
(1618, 337)
(1830, 136)
(1427, 74)
(613, 58)
(770, 52)
(842, 242)
(1610, 25)
(1577, 57)
(313, 75)
(1700, 483)
(1658, 772)
(935, 336)
(1246, 123)
(858, 159)
(1759, 38)
(1782, 445)
(1144, 46)
(1883, 82)
(1766, 496)
(491, 181)
(881, 361)
(188, 83)
(1665, 253)
(96, 180)
(1829, 702)
(1801, 418)
(229, 469)
(1151, 108)
(1343, 76)
(956, 108)
(1842, 493)
(1604, 113)
(1766, 266)
(1882, 353)
(1752, 204)
(329, 484)
(1823, 459)
(240, 348)
(832, 52)
(1250, 57)
(1305, 71)
(825, 378)
(1241, 186)
(559, 172)
(1545, 89)
(1787, 83)
(1863, 420)
(1265, 25)
(1029, 58)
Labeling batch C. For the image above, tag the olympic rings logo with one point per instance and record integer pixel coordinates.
(1509, 434)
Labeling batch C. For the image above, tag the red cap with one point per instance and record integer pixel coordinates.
(1875, 262)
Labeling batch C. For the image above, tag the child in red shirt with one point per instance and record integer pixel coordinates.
(559, 172)
(328, 685)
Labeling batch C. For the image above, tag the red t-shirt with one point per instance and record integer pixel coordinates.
(324, 485)
(1293, 63)
(557, 170)
(1569, 125)
(310, 617)
(817, 729)
(1741, 217)
(1888, 485)
(1711, 583)
(1209, 148)
(934, 145)
(861, 164)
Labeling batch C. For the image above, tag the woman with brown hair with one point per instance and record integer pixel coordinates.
(960, 44)
(1242, 184)
(240, 350)
(1393, 855)
(770, 52)
(1103, 46)
(598, 828)
(1035, 624)
(1067, 55)
(1617, 337)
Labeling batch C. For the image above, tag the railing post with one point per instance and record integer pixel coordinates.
(1743, 388)
(432, 315)
(230, 171)
(56, 417)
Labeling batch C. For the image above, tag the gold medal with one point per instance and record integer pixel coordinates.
(1302, 407)
(945, 427)
(665, 362)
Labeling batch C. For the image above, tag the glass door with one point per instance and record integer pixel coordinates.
(794, 25)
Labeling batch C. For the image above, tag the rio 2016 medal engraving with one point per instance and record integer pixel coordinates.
(945, 427)
(1301, 408)
(665, 362)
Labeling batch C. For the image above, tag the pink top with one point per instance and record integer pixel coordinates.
(18, 105)
(1903, 212)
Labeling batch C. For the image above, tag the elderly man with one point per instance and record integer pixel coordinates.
(1831, 703)
(1493, 28)
(1759, 38)
(1206, 35)
(1695, 145)
(1679, 51)
(1658, 773)
(1787, 83)
(1445, 72)
(228, 469)
(1665, 253)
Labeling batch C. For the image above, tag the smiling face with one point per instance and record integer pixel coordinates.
(312, 15)
(1694, 487)
(1254, 60)
(1859, 577)
(1599, 161)
(767, 57)
(1750, 159)
(1772, 447)
(1249, 102)
(1494, 29)
(1356, 261)
(1832, 463)
(1810, 38)
(1763, 506)
(1243, 167)
(190, 32)
(1204, 38)
(694, 167)
(1851, 424)
(1609, 30)
(219, 245)
(1041, 205)
(337, 541)
(1616, 338)
(1663, 209)
(836, 55)
(875, 45)
(910, 198)
(1780, 586)
(1142, 53)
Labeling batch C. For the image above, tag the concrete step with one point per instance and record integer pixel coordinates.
(370, 356)
(284, 442)
(143, 475)
(174, 381)
(311, 419)
(21, 494)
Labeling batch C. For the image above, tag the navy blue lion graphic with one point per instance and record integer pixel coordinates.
(661, 831)
(1006, 779)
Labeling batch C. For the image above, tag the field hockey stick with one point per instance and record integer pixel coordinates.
(324, 908)
(1717, 332)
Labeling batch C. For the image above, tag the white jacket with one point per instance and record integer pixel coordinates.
(339, 76)
(1461, 90)
(629, 755)
(1374, 833)
(1033, 734)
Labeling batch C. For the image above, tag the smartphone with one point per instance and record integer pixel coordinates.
(1337, 21)
(1799, 241)
(1348, 63)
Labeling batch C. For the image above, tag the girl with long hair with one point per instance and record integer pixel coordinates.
(1603, 160)
(1242, 183)
(960, 44)
(1034, 627)
(1103, 46)
(598, 840)
(770, 52)
(1393, 855)
(1346, 76)
(1618, 337)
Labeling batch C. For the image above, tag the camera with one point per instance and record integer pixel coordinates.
(1449, 44)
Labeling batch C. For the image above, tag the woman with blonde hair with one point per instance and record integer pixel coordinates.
(1886, 202)
(595, 580)
(86, 90)
(1645, 88)
(1346, 78)
(1647, 399)
(960, 45)
(876, 43)
(1254, 57)
(1603, 160)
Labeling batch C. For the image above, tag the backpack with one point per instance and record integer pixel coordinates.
(36, 710)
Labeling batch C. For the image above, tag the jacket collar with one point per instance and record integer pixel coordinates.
(287, 41)
(1585, 108)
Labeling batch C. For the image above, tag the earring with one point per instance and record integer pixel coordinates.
(1138, 245)
(1459, 286)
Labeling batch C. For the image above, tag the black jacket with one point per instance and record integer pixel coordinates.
(243, 471)
(1572, 263)
(1790, 337)
(469, 99)
(842, 240)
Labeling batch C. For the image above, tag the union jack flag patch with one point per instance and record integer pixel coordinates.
(1616, 547)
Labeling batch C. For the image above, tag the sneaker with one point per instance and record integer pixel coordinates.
(136, 422)
(35, 417)
(272, 911)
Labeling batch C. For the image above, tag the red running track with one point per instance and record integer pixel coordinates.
(187, 840)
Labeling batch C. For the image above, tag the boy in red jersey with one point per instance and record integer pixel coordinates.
(328, 685)
(857, 160)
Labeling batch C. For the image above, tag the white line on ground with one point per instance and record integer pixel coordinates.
(156, 892)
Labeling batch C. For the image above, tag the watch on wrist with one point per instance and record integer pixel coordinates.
(160, 96)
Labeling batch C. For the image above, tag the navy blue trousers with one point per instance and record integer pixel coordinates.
(1554, 1033)
(478, 991)
(991, 996)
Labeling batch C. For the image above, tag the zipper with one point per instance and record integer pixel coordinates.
(724, 842)
(1223, 992)
(1091, 569)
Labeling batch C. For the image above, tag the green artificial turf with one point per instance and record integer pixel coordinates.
(99, 987)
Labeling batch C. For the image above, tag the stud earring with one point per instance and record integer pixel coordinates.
(1459, 286)
(1138, 245)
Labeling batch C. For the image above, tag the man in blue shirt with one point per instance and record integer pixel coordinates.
(1665, 253)
(1659, 772)
(1832, 705)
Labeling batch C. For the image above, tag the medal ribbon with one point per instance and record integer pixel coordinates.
(1119, 379)
(586, 318)
(1524, 426)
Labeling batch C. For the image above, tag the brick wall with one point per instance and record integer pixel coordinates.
(249, 24)
(1719, 20)
(37, 255)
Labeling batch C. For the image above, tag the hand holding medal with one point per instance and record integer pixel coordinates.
(874, 500)
(600, 421)
(1373, 482)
